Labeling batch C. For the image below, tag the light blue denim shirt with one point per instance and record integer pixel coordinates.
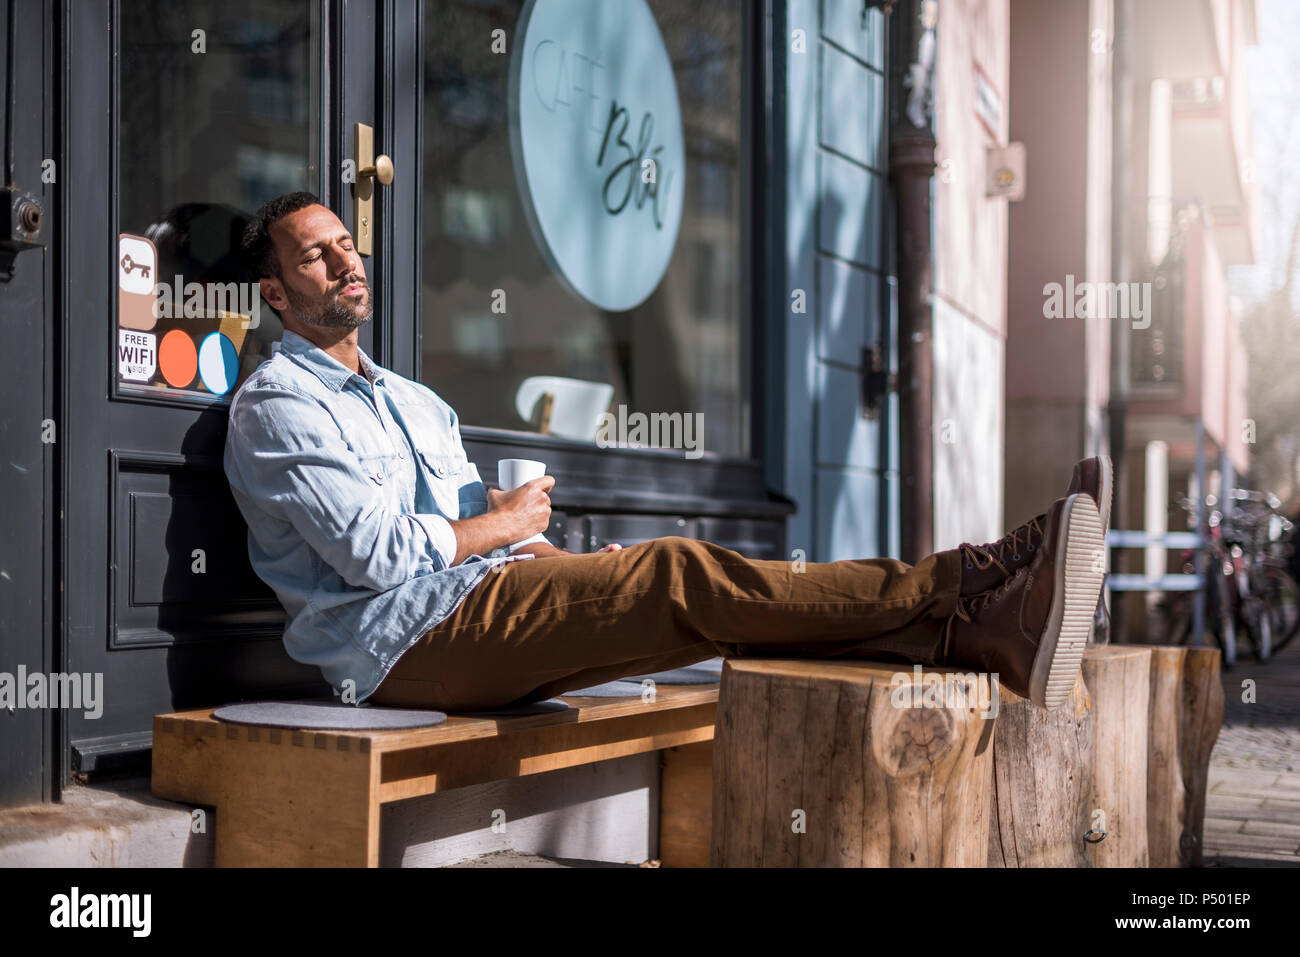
(347, 489)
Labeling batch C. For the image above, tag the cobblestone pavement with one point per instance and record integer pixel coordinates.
(1252, 814)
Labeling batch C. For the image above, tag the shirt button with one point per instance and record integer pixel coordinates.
(441, 471)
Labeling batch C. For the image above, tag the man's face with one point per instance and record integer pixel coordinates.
(322, 281)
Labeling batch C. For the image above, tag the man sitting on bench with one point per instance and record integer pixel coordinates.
(403, 575)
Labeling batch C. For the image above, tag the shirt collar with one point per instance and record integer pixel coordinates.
(324, 366)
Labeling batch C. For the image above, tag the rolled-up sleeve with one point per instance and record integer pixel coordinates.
(286, 456)
(442, 535)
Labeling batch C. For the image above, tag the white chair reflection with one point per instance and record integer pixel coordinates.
(568, 408)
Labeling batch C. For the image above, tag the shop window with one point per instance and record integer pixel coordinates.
(516, 296)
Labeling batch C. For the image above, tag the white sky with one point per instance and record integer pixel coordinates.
(1273, 75)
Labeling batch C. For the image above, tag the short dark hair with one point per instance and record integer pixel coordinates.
(256, 244)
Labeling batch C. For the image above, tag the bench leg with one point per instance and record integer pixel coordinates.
(686, 805)
(293, 806)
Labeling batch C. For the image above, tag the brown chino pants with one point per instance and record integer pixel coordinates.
(536, 629)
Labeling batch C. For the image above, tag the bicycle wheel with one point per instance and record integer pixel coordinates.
(1282, 596)
(1174, 620)
(1259, 626)
(1226, 615)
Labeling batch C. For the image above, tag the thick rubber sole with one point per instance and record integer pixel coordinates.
(1107, 490)
(1078, 571)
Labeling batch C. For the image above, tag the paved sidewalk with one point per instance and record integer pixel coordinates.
(1252, 815)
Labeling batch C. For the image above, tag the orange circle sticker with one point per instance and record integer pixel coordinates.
(178, 359)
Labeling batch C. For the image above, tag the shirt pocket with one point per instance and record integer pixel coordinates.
(380, 468)
(448, 474)
(444, 466)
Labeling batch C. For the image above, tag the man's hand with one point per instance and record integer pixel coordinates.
(511, 517)
(526, 510)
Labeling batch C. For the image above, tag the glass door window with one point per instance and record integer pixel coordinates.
(220, 108)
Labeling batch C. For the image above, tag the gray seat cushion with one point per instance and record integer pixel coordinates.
(703, 673)
(326, 716)
(610, 689)
(335, 716)
(513, 711)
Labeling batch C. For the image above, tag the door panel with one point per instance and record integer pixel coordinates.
(837, 222)
(180, 571)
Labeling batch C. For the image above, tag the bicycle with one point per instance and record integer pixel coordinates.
(1270, 597)
(1248, 590)
(1221, 595)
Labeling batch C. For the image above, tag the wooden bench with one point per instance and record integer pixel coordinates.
(312, 798)
(816, 764)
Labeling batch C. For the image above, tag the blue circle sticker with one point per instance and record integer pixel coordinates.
(218, 363)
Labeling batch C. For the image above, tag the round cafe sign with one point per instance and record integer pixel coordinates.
(596, 137)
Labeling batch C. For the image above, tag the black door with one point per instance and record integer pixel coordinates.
(182, 117)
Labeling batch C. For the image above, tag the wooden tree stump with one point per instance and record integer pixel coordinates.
(850, 764)
(1119, 684)
(1042, 767)
(1184, 716)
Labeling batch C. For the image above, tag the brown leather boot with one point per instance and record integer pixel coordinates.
(986, 566)
(1031, 630)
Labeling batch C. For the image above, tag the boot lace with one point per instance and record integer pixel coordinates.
(970, 605)
(1005, 549)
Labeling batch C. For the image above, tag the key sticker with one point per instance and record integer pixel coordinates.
(137, 275)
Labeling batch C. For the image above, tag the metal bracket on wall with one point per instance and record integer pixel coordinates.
(877, 382)
(884, 6)
(24, 228)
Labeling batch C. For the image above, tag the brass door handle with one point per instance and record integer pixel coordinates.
(371, 169)
(382, 170)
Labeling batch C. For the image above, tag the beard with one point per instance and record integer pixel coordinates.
(330, 311)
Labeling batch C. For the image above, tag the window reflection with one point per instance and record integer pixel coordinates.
(684, 349)
(211, 125)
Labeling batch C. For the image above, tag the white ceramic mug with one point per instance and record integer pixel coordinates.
(512, 473)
